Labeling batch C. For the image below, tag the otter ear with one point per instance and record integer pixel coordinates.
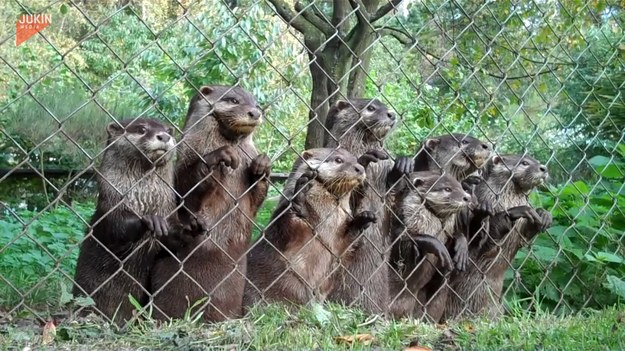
(342, 104)
(114, 129)
(307, 154)
(432, 143)
(206, 90)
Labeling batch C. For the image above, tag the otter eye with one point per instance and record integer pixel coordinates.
(233, 101)
(465, 142)
(142, 130)
(370, 108)
(338, 160)
(448, 189)
(525, 163)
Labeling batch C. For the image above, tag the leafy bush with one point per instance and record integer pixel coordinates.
(39, 253)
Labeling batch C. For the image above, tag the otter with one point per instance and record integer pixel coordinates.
(294, 259)
(361, 126)
(425, 208)
(508, 181)
(135, 212)
(223, 180)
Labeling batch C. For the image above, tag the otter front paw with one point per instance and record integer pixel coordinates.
(546, 219)
(303, 184)
(225, 155)
(195, 226)
(260, 167)
(363, 220)
(470, 181)
(461, 252)
(429, 244)
(402, 165)
(526, 212)
(371, 156)
(156, 225)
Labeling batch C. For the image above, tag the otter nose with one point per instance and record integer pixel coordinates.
(359, 169)
(391, 116)
(164, 137)
(254, 114)
(543, 168)
(466, 197)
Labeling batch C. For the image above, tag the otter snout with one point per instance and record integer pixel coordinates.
(163, 137)
(254, 114)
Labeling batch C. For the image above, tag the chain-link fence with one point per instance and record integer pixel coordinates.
(427, 159)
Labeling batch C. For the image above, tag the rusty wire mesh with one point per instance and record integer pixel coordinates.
(540, 78)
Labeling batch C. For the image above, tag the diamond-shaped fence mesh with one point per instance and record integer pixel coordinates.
(427, 159)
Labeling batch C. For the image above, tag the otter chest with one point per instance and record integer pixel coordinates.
(149, 195)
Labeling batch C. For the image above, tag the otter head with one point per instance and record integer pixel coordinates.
(525, 172)
(142, 140)
(457, 152)
(442, 194)
(369, 118)
(234, 109)
(338, 170)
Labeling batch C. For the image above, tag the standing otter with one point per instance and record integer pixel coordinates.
(508, 180)
(135, 197)
(293, 260)
(223, 180)
(360, 126)
(426, 214)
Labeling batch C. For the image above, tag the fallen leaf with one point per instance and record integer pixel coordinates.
(364, 339)
(418, 348)
(49, 333)
(469, 328)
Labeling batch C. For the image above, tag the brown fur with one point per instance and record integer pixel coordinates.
(458, 155)
(226, 199)
(295, 257)
(360, 125)
(427, 209)
(507, 185)
(118, 253)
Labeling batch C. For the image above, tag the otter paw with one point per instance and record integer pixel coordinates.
(546, 219)
(225, 155)
(372, 156)
(304, 183)
(485, 209)
(261, 166)
(195, 227)
(363, 220)
(523, 212)
(155, 224)
(461, 252)
(403, 165)
(470, 181)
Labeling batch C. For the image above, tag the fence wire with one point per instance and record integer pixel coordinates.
(432, 159)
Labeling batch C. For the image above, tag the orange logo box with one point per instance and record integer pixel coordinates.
(29, 25)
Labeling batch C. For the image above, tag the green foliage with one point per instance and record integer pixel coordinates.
(580, 261)
(39, 253)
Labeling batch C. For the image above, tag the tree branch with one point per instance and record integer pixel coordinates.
(361, 12)
(384, 9)
(292, 18)
(314, 17)
(400, 35)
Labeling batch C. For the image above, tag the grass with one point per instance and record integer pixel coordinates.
(330, 327)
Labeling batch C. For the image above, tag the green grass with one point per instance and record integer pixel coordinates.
(317, 327)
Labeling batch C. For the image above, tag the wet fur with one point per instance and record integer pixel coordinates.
(363, 282)
(214, 266)
(294, 259)
(478, 289)
(117, 258)
(425, 210)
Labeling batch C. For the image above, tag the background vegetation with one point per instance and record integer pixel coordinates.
(544, 77)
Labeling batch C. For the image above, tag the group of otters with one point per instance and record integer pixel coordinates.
(429, 235)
